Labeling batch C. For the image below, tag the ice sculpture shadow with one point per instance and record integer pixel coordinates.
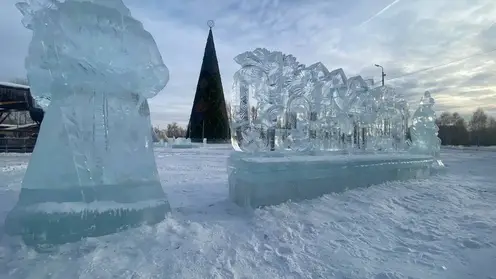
(302, 131)
(93, 170)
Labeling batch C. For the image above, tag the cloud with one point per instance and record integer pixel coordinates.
(15, 39)
(383, 10)
(488, 38)
(402, 36)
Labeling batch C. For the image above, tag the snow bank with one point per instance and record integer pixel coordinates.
(181, 143)
(261, 181)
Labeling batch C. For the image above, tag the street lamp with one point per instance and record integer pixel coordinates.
(382, 72)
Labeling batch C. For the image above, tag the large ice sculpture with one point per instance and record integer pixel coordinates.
(93, 170)
(424, 129)
(280, 104)
(291, 125)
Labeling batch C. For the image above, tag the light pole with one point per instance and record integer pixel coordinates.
(382, 72)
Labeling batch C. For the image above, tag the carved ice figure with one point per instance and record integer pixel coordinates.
(299, 109)
(424, 129)
(93, 170)
(249, 82)
(279, 104)
(340, 92)
(323, 111)
(320, 98)
(259, 96)
(399, 122)
(385, 119)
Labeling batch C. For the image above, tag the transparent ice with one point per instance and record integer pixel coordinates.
(181, 143)
(295, 127)
(280, 104)
(93, 170)
(256, 181)
(424, 129)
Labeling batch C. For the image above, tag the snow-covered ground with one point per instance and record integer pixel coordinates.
(443, 227)
(461, 147)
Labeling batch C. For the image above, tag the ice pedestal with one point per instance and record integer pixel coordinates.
(256, 181)
(75, 188)
(63, 216)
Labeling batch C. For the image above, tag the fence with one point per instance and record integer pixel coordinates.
(17, 145)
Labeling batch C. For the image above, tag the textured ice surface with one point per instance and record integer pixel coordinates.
(259, 181)
(97, 66)
(424, 129)
(442, 227)
(280, 104)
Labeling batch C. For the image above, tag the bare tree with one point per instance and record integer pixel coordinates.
(175, 131)
(478, 121)
(160, 133)
(454, 130)
(478, 125)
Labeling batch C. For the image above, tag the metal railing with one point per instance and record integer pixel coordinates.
(17, 145)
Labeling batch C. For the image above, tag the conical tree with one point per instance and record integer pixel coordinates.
(209, 117)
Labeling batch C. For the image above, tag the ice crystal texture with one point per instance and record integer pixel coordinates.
(280, 104)
(97, 66)
(424, 129)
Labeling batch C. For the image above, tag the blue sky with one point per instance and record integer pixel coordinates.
(403, 35)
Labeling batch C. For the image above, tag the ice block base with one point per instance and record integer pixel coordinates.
(256, 181)
(48, 216)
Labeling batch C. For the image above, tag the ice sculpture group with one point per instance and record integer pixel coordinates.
(305, 131)
(93, 170)
(282, 105)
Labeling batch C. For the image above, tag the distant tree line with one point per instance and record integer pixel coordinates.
(479, 130)
(172, 131)
(453, 128)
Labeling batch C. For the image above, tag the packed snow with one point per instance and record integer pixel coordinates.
(441, 227)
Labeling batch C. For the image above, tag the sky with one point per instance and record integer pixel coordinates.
(404, 36)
